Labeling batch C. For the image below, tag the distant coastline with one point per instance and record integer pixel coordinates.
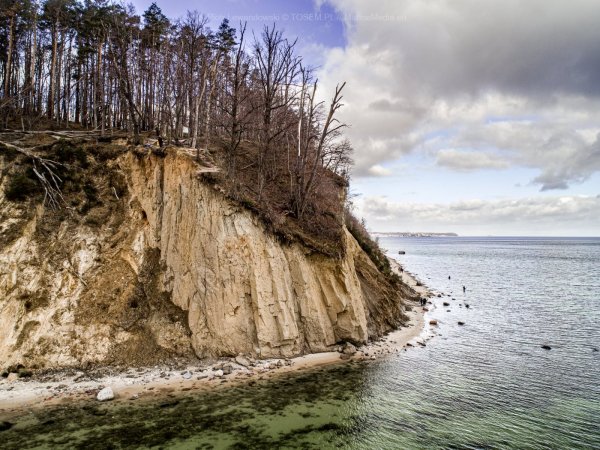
(411, 234)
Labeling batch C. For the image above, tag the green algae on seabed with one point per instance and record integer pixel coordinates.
(302, 410)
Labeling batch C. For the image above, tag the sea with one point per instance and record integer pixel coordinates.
(521, 372)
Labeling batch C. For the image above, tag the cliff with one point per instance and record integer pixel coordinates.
(148, 263)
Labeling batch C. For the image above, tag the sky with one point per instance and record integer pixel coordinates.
(477, 117)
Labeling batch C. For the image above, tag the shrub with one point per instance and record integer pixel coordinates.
(21, 186)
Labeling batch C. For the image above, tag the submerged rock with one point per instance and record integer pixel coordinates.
(105, 395)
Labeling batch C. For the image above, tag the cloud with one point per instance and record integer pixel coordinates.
(564, 215)
(379, 171)
(416, 69)
(467, 161)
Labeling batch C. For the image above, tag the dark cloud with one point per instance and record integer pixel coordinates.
(452, 65)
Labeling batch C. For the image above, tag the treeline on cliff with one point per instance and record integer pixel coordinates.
(244, 101)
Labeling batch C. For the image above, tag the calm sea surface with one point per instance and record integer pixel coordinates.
(487, 384)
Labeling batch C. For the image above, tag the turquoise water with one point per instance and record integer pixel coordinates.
(486, 384)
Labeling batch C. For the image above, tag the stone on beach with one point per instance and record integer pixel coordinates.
(433, 322)
(242, 361)
(349, 349)
(105, 395)
(187, 374)
(461, 323)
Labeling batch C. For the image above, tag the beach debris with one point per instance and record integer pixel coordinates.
(546, 347)
(105, 395)
(187, 374)
(4, 425)
(433, 322)
(242, 361)
(461, 323)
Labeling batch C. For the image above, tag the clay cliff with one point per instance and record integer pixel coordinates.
(147, 263)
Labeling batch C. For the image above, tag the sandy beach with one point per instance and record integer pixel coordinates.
(69, 386)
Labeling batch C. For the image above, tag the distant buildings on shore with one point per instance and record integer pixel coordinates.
(411, 234)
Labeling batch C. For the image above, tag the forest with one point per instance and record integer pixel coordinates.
(243, 100)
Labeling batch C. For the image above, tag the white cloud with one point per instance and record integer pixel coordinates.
(379, 171)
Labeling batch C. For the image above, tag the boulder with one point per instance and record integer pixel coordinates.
(461, 323)
(242, 361)
(446, 304)
(12, 377)
(218, 373)
(349, 349)
(105, 395)
(433, 322)
(187, 375)
(546, 347)
(227, 369)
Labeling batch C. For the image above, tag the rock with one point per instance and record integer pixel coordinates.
(187, 374)
(349, 349)
(439, 295)
(594, 349)
(408, 344)
(466, 305)
(402, 252)
(227, 369)
(218, 373)
(4, 425)
(433, 322)
(546, 347)
(242, 361)
(461, 323)
(24, 373)
(105, 395)
(12, 377)
(446, 304)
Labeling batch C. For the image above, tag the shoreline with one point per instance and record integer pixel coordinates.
(67, 387)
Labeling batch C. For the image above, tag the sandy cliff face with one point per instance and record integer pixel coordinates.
(171, 268)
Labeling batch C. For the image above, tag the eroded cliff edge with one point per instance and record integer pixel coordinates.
(165, 266)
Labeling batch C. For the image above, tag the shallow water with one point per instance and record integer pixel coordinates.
(487, 384)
